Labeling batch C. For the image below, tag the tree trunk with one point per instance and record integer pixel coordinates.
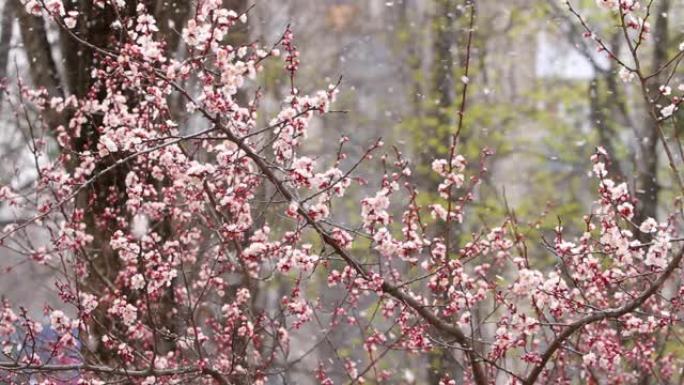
(648, 185)
(444, 25)
(95, 27)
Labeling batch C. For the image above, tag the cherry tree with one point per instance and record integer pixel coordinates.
(194, 244)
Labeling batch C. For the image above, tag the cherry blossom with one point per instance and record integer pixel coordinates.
(202, 219)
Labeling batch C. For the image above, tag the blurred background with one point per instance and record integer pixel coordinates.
(540, 96)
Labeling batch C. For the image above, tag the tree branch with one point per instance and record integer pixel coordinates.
(214, 374)
(444, 327)
(602, 315)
